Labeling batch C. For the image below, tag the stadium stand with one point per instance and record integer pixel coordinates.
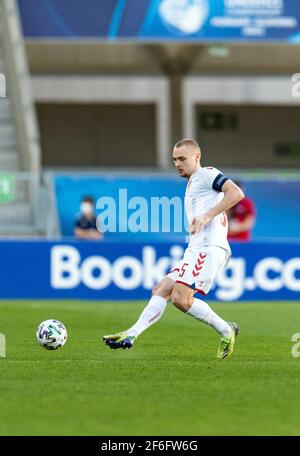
(19, 141)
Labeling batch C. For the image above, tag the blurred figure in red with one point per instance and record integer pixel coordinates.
(241, 219)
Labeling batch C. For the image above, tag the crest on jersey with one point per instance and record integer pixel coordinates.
(184, 16)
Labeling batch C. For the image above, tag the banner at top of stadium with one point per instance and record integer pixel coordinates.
(156, 20)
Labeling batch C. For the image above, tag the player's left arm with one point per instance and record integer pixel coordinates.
(232, 195)
(236, 227)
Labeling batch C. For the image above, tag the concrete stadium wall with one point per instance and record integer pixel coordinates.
(97, 134)
(258, 139)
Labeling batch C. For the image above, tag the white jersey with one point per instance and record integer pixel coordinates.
(203, 192)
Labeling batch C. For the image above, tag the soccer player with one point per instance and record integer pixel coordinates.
(209, 194)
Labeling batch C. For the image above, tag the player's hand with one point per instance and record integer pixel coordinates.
(198, 223)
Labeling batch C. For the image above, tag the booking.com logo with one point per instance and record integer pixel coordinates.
(139, 214)
(128, 272)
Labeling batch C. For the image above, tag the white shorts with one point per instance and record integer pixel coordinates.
(198, 268)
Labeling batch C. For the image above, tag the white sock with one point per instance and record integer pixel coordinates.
(201, 311)
(150, 315)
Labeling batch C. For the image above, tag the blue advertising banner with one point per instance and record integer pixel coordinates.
(119, 271)
(151, 208)
(198, 20)
(129, 208)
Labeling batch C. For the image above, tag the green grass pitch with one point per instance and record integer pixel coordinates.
(169, 383)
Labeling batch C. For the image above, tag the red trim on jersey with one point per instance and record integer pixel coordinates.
(183, 283)
(194, 289)
(200, 291)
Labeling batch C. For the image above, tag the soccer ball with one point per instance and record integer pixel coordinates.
(51, 334)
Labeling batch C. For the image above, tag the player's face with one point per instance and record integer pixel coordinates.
(185, 160)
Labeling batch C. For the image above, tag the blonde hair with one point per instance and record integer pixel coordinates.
(188, 142)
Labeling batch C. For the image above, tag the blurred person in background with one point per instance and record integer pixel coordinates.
(86, 223)
(241, 219)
